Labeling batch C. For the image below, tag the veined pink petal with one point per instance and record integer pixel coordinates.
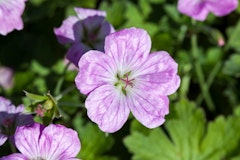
(3, 139)
(59, 142)
(14, 156)
(149, 109)
(83, 13)
(158, 74)
(65, 33)
(95, 69)
(128, 47)
(222, 8)
(76, 51)
(27, 138)
(10, 15)
(108, 108)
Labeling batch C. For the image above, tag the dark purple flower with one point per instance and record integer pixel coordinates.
(84, 32)
(10, 118)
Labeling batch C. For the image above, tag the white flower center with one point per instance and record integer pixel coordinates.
(124, 83)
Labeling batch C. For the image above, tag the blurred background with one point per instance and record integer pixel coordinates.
(203, 123)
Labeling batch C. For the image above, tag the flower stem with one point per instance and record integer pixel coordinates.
(66, 91)
(12, 147)
(210, 79)
(60, 81)
(199, 72)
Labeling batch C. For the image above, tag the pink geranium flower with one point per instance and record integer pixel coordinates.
(10, 15)
(6, 77)
(127, 78)
(199, 9)
(10, 118)
(54, 142)
(84, 32)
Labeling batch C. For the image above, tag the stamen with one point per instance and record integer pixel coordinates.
(40, 110)
(127, 81)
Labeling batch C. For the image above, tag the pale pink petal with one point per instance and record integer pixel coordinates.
(27, 138)
(65, 33)
(76, 51)
(196, 9)
(199, 9)
(223, 7)
(6, 77)
(149, 109)
(106, 107)
(14, 156)
(158, 74)
(95, 69)
(58, 142)
(128, 47)
(10, 15)
(84, 13)
(3, 138)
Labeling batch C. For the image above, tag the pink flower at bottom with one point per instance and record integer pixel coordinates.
(199, 9)
(54, 142)
(127, 78)
(10, 15)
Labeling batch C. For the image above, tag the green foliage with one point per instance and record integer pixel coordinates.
(232, 65)
(189, 133)
(187, 137)
(94, 142)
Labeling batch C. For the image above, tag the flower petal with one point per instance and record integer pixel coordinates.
(14, 156)
(59, 142)
(95, 69)
(222, 8)
(158, 74)
(10, 15)
(3, 139)
(26, 140)
(76, 51)
(128, 47)
(108, 108)
(65, 33)
(194, 8)
(84, 13)
(149, 109)
(6, 79)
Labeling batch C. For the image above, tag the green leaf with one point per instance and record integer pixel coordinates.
(39, 69)
(145, 7)
(94, 142)
(115, 12)
(36, 97)
(234, 35)
(187, 136)
(172, 12)
(232, 66)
